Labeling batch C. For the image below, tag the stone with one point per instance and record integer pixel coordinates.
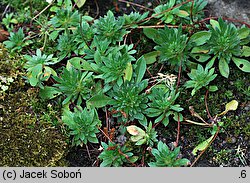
(235, 9)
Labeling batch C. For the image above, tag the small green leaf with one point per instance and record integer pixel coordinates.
(176, 117)
(37, 70)
(98, 101)
(140, 142)
(200, 37)
(193, 92)
(80, 3)
(202, 146)
(215, 129)
(201, 57)
(165, 121)
(151, 57)
(215, 24)
(245, 51)
(53, 35)
(92, 140)
(182, 13)
(33, 81)
(150, 33)
(160, 118)
(68, 4)
(242, 64)
(76, 62)
(136, 138)
(133, 159)
(140, 68)
(243, 32)
(169, 18)
(48, 71)
(223, 68)
(87, 18)
(199, 50)
(86, 66)
(213, 88)
(128, 72)
(97, 57)
(211, 63)
(48, 92)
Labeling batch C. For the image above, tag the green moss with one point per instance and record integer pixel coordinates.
(27, 138)
(222, 156)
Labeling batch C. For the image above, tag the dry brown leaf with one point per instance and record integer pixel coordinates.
(3, 35)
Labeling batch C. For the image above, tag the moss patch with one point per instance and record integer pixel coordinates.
(27, 139)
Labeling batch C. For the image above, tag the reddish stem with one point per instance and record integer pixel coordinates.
(178, 131)
(179, 78)
(208, 113)
(224, 18)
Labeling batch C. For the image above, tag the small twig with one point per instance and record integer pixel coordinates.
(150, 73)
(5, 10)
(88, 151)
(143, 158)
(161, 69)
(107, 118)
(178, 131)
(97, 9)
(179, 78)
(196, 123)
(218, 130)
(160, 26)
(105, 134)
(156, 124)
(77, 107)
(193, 113)
(229, 19)
(126, 156)
(94, 163)
(135, 4)
(125, 39)
(137, 42)
(239, 21)
(208, 113)
(42, 11)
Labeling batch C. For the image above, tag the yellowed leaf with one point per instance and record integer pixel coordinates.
(231, 106)
(133, 130)
(183, 13)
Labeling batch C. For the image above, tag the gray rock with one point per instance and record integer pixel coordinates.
(236, 9)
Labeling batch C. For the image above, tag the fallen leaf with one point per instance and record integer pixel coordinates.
(3, 35)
